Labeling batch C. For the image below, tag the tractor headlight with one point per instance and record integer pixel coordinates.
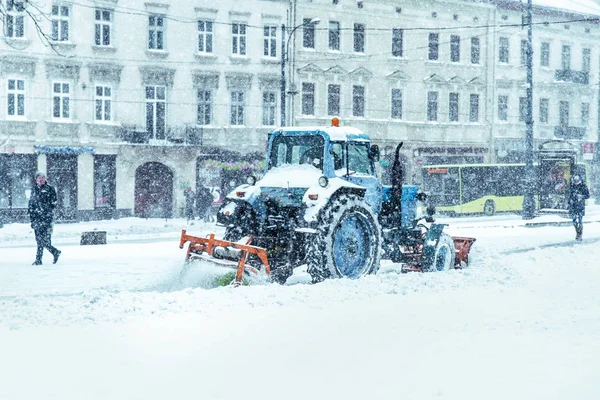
(251, 180)
(323, 181)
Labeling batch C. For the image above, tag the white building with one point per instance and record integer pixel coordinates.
(448, 77)
(124, 102)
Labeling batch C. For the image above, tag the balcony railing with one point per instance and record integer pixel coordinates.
(569, 75)
(569, 132)
(188, 135)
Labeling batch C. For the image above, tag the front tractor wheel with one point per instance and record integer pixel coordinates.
(445, 253)
(347, 243)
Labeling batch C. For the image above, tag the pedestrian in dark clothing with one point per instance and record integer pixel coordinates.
(204, 199)
(41, 213)
(577, 195)
(190, 200)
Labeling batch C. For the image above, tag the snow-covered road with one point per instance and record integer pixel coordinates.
(126, 321)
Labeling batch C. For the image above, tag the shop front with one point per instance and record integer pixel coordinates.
(17, 177)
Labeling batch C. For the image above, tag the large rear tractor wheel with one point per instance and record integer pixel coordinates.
(445, 253)
(347, 242)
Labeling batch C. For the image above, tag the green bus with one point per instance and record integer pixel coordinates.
(491, 188)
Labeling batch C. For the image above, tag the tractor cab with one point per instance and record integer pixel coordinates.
(304, 156)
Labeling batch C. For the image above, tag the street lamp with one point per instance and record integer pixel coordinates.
(284, 54)
(528, 199)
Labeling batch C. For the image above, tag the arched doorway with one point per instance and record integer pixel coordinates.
(153, 191)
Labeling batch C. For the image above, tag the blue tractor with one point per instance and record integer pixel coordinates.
(320, 203)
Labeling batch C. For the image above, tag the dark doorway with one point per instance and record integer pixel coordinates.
(153, 191)
(62, 174)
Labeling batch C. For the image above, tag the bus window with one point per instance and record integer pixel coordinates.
(478, 182)
(442, 185)
(511, 181)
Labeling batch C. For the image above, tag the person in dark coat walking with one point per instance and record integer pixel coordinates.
(41, 213)
(190, 200)
(578, 193)
(204, 199)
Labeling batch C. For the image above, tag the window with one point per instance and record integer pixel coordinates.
(16, 98)
(523, 109)
(564, 113)
(205, 36)
(334, 35)
(545, 54)
(156, 32)
(454, 48)
(358, 101)
(359, 160)
(396, 104)
(103, 103)
(102, 27)
(586, 58)
(14, 22)
(270, 41)
(333, 100)
(434, 46)
(453, 107)
(359, 38)
(565, 57)
(432, 106)
(269, 107)
(474, 108)
(308, 98)
(238, 39)
(503, 50)
(204, 112)
(397, 42)
(524, 45)
(238, 105)
(308, 34)
(60, 23)
(475, 50)
(156, 112)
(503, 108)
(544, 103)
(585, 113)
(61, 100)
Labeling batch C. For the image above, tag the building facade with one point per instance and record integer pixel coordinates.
(448, 77)
(124, 103)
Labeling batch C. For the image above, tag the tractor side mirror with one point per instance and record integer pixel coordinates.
(374, 152)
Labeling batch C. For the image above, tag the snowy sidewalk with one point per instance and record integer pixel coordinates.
(125, 230)
(134, 230)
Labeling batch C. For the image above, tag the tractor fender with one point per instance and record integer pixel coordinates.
(432, 237)
(316, 198)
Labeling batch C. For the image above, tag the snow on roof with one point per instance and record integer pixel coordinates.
(579, 6)
(335, 133)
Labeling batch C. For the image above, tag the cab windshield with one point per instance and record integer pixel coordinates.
(297, 150)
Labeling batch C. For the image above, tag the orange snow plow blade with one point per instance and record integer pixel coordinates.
(462, 246)
(225, 250)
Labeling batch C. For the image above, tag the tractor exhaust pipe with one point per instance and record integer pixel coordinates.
(397, 178)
